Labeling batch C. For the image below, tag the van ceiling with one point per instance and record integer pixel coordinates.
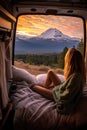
(66, 1)
(15, 2)
(17, 7)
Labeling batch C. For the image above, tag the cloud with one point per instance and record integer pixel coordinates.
(36, 24)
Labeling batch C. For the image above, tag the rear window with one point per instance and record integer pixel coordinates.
(43, 40)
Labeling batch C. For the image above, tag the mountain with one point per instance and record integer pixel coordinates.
(50, 41)
(55, 34)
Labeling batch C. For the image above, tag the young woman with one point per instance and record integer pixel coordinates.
(68, 93)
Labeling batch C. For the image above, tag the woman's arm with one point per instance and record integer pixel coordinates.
(43, 91)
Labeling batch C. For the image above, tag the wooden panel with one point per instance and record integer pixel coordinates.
(5, 24)
(7, 14)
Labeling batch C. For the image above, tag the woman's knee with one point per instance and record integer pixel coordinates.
(50, 72)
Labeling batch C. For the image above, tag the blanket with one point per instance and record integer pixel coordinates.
(34, 112)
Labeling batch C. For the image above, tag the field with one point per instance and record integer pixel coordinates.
(35, 69)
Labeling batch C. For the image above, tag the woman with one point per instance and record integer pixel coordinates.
(68, 93)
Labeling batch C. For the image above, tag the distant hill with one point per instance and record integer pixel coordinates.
(50, 41)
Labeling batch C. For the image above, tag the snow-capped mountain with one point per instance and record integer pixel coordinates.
(50, 41)
(55, 34)
(52, 33)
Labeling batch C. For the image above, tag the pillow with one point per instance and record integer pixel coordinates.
(41, 78)
(23, 75)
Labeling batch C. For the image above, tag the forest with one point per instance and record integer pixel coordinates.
(51, 59)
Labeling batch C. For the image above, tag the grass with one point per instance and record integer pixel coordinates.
(35, 69)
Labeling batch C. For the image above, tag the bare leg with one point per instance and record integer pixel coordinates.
(52, 78)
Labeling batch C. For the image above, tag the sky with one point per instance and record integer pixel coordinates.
(34, 25)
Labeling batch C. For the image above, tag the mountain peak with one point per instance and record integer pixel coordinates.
(54, 30)
(51, 33)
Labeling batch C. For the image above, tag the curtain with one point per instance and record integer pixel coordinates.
(8, 61)
(3, 85)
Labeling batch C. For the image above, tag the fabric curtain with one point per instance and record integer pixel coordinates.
(8, 61)
(3, 85)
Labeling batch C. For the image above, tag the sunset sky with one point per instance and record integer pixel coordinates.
(36, 24)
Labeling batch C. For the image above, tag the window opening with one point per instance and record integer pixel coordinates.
(43, 40)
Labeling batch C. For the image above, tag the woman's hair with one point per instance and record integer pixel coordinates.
(74, 63)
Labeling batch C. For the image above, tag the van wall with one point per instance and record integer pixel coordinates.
(6, 40)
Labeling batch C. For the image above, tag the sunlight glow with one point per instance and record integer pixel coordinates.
(37, 24)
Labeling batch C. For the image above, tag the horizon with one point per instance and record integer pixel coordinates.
(31, 36)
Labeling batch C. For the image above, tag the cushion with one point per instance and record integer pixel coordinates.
(23, 75)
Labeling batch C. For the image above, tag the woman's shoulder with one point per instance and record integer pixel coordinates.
(76, 78)
(76, 75)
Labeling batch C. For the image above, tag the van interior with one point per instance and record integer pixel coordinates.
(35, 35)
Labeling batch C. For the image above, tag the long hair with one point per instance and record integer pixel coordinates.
(74, 63)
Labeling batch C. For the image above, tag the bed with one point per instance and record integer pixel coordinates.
(34, 112)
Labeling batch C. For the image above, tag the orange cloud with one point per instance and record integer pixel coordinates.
(36, 24)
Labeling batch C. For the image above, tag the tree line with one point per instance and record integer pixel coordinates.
(52, 59)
